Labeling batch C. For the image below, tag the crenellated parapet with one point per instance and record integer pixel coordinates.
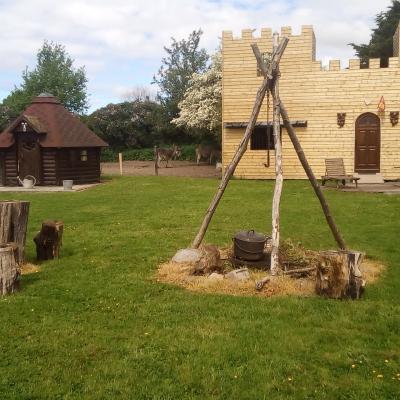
(307, 31)
(302, 48)
(355, 64)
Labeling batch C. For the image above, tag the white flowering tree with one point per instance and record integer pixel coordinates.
(201, 105)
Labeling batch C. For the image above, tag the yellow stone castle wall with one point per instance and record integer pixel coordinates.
(309, 93)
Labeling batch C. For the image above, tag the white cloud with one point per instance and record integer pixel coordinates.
(98, 33)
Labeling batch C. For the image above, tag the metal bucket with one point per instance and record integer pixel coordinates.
(67, 184)
(249, 245)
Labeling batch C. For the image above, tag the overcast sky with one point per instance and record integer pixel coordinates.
(121, 41)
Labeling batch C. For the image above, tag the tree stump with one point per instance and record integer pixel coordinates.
(9, 268)
(49, 240)
(13, 225)
(339, 275)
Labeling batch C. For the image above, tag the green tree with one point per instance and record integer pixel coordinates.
(55, 74)
(6, 115)
(200, 108)
(183, 58)
(133, 124)
(381, 43)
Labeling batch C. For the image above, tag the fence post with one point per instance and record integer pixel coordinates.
(120, 163)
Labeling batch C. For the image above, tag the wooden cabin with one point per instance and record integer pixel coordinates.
(50, 143)
(339, 111)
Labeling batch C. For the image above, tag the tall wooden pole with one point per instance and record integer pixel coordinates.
(302, 157)
(278, 169)
(314, 183)
(276, 56)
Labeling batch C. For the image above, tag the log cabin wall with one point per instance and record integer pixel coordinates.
(10, 166)
(49, 166)
(82, 165)
(310, 93)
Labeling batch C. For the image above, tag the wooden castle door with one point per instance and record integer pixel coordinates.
(29, 158)
(368, 144)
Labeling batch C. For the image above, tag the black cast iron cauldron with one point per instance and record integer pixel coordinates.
(249, 245)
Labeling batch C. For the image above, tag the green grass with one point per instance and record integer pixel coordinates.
(96, 325)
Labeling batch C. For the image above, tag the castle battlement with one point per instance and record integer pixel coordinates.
(302, 48)
(266, 33)
(354, 64)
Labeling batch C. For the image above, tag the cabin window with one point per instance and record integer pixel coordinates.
(76, 156)
(262, 138)
(84, 155)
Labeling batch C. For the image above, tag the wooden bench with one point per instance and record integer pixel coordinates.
(335, 172)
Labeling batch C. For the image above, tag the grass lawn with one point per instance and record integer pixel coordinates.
(96, 325)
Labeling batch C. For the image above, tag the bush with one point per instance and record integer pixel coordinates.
(111, 155)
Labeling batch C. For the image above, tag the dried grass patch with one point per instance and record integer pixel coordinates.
(371, 270)
(180, 275)
(29, 268)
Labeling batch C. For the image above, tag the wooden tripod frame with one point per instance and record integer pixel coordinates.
(270, 73)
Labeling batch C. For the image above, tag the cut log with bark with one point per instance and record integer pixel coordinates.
(339, 275)
(49, 240)
(13, 225)
(9, 268)
(276, 56)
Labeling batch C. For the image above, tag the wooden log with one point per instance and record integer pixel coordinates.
(300, 271)
(278, 170)
(276, 56)
(49, 240)
(261, 283)
(302, 157)
(339, 275)
(9, 268)
(13, 225)
(5, 221)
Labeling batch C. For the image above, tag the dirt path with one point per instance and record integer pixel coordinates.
(177, 168)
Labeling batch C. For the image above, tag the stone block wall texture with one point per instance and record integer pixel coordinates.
(310, 93)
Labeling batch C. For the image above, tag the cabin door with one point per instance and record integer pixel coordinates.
(368, 144)
(29, 158)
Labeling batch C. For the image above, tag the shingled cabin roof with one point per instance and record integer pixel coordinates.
(56, 125)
